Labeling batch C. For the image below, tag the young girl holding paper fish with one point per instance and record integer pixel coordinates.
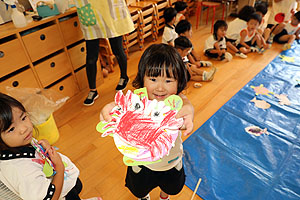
(162, 72)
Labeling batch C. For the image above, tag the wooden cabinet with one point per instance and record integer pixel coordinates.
(44, 54)
(12, 57)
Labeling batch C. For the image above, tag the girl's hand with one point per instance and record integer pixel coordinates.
(56, 159)
(187, 113)
(45, 144)
(104, 114)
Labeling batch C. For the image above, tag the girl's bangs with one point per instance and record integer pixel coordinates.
(156, 68)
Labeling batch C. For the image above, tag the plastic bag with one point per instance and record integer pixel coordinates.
(39, 103)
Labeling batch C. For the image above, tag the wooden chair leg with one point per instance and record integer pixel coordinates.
(198, 13)
(213, 19)
(207, 15)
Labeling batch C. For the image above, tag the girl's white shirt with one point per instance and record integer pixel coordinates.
(248, 36)
(25, 177)
(234, 28)
(210, 43)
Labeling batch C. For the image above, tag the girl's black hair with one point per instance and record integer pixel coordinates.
(180, 5)
(158, 59)
(6, 115)
(262, 8)
(245, 12)
(169, 14)
(183, 26)
(217, 25)
(297, 15)
(182, 43)
(256, 17)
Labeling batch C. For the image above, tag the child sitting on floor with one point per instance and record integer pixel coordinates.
(235, 27)
(184, 28)
(180, 7)
(286, 33)
(169, 33)
(22, 165)
(215, 44)
(263, 31)
(249, 38)
(183, 45)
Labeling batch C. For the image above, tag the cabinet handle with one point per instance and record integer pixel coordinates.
(15, 84)
(61, 88)
(75, 24)
(1, 54)
(42, 37)
(52, 64)
(82, 49)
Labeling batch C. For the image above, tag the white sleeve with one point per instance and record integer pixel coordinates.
(209, 43)
(167, 35)
(71, 175)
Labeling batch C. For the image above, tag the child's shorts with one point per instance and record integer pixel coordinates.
(232, 41)
(278, 36)
(141, 183)
(249, 43)
(212, 55)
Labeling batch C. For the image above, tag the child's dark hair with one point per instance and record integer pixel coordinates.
(217, 25)
(256, 17)
(183, 26)
(182, 43)
(297, 15)
(6, 115)
(169, 14)
(180, 5)
(245, 12)
(158, 59)
(262, 8)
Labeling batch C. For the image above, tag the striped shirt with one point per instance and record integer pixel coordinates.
(103, 18)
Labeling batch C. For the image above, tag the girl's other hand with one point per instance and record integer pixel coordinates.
(45, 144)
(187, 113)
(105, 112)
(56, 159)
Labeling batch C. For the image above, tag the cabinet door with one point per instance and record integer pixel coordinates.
(12, 57)
(43, 42)
(71, 30)
(53, 69)
(24, 79)
(66, 87)
(78, 55)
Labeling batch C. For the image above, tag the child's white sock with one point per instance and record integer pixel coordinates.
(145, 198)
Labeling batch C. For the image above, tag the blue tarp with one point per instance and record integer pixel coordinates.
(234, 164)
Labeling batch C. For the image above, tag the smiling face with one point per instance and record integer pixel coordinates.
(20, 131)
(160, 87)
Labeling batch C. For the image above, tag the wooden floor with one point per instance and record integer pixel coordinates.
(100, 163)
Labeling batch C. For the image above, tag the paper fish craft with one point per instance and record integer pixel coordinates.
(283, 100)
(261, 90)
(255, 130)
(143, 130)
(261, 103)
(286, 58)
(48, 168)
